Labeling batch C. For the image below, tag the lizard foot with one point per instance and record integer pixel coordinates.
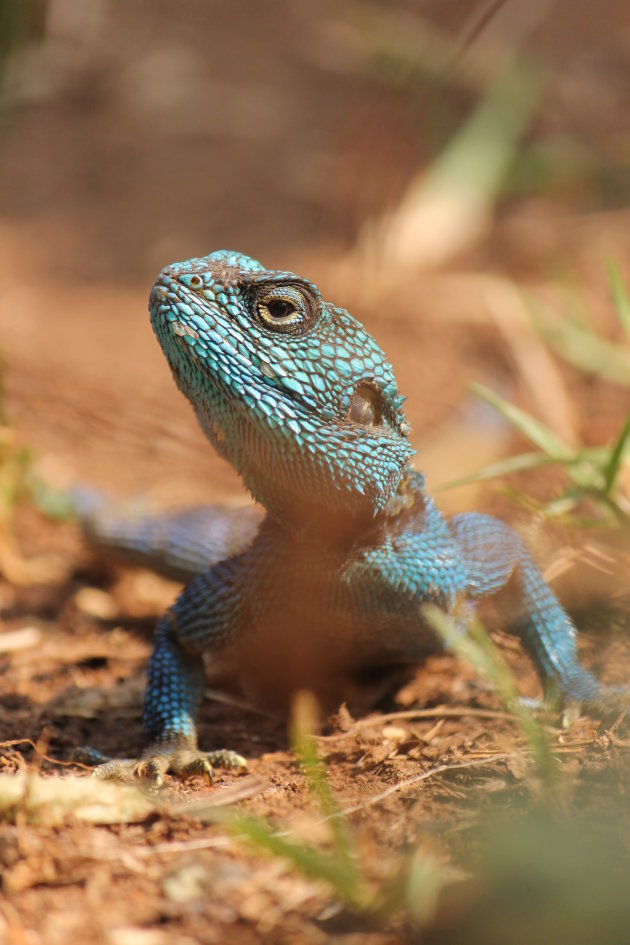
(157, 761)
(568, 711)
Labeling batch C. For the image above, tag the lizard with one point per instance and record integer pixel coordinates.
(324, 592)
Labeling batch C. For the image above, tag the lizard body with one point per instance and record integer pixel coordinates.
(327, 592)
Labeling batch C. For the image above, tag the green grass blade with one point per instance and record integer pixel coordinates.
(303, 723)
(580, 465)
(619, 294)
(535, 431)
(616, 457)
(55, 503)
(447, 205)
(472, 167)
(311, 862)
(415, 885)
(582, 347)
(522, 462)
(474, 645)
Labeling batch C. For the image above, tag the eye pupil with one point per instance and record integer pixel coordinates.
(280, 308)
(195, 282)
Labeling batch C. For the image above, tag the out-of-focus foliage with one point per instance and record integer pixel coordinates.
(597, 492)
(541, 878)
(434, 71)
(14, 466)
(546, 874)
(415, 882)
(20, 21)
(573, 338)
(449, 205)
(474, 645)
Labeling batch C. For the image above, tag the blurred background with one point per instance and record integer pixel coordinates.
(413, 157)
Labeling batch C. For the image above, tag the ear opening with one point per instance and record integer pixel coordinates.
(366, 407)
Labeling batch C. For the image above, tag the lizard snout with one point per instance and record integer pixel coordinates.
(158, 294)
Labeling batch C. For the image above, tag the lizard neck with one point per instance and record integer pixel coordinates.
(339, 532)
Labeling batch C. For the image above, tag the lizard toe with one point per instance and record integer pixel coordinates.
(187, 763)
(104, 766)
(225, 758)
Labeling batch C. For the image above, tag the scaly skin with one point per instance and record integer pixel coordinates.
(327, 593)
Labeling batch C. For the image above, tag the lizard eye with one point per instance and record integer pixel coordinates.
(279, 309)
(282, 307)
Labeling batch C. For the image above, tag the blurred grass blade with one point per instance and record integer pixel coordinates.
(619, 294)
(449, 206)
(53, 502)
(616, 458)
(311, 862)
(424, 884)
(473, 644)
(305, 713)
(594, 470)
(582, 347)
(339, 868)
(535, 431)
(583, 465)
(416, 885)
(522, 462)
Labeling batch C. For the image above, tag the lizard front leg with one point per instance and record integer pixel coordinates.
(205, 618)
(497, 561)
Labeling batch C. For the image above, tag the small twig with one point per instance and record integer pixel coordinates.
(41, 754)
(216, 695)
(12, 742)
(419, 714)
(147, 852)
(186, 846)
(410, 782)
(473, 28)
(608, 737)
(240, 791)
(428, 737)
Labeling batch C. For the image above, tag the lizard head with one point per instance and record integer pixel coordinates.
(292, 390)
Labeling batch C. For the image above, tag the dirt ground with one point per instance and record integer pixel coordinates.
(87, 391)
